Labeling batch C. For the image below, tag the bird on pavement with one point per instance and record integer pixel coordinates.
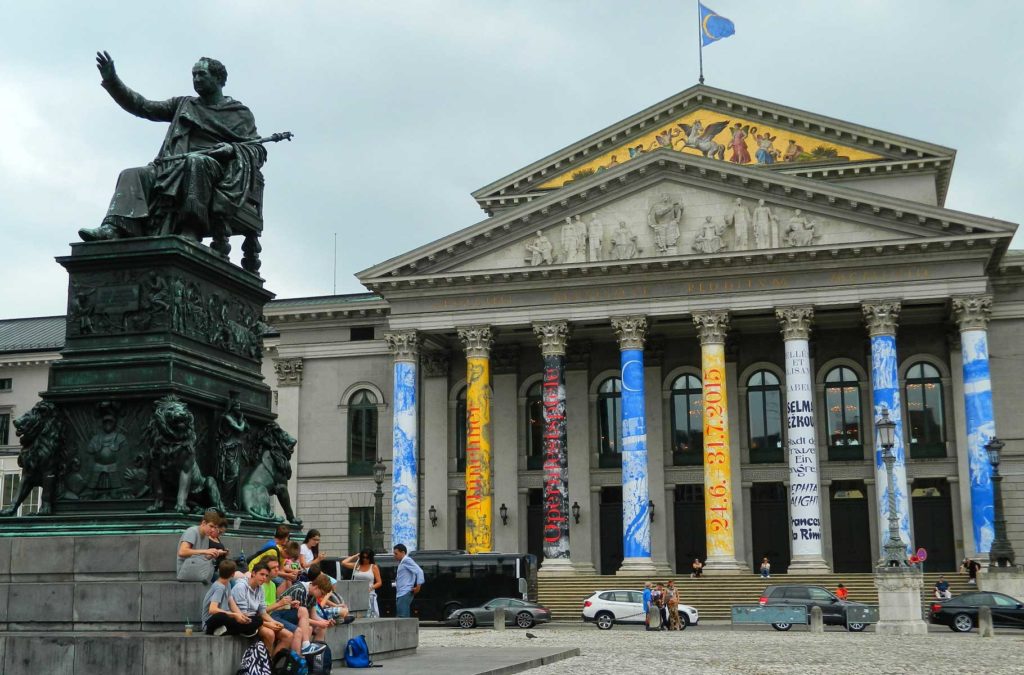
(531, 636)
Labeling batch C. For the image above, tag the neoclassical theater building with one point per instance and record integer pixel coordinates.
(672, 340)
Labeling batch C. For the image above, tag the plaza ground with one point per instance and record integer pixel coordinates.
(719, 648)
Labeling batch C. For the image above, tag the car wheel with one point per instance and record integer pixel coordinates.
(962, 623)
(604, 620)
(524, 620)
(856, 627)
(451, 608)
(467, 620)
(684, 621)
(782, 626)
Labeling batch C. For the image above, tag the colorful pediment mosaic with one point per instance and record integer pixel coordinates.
(729, 138)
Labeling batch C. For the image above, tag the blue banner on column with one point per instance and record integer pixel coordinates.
(404, 516)
(636, 524)
(885, 390)
(981, 427)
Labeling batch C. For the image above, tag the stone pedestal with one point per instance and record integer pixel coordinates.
(556, 567)
(634, 566)
(808, 564)
(899, 601)
(1006, 580)
(724, 565)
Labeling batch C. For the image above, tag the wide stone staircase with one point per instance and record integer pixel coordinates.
(714, 595)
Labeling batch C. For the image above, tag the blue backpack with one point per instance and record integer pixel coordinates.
(357, 654)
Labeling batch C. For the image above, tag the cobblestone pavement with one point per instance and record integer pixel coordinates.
(629, 650)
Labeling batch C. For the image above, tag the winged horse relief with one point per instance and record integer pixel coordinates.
(703, 139)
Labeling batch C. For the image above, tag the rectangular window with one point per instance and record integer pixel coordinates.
(9, 491)
(360, 527)
(5, 428)
(6, 384)
(358, 333)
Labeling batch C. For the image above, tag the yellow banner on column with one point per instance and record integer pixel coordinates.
(718, 520)
(479, 532)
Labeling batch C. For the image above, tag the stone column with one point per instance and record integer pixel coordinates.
(289, 386)
(971, 315)
(881, 318)
(477, 341)
(578, 414)
(636, 521)
(434, 366)
(553, 336)
(719, 522)
(505, 448)
(405, 348)
(801, 440)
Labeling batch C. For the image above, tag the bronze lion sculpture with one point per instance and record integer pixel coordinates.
(270, 476)
(171, 437)
(41, 431)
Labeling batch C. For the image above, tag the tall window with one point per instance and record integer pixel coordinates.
(360, 527)
(362, 433)
(609, 420)
(687, 421)
(535, 426)
(5, 428)
(9, 491)
(924, 411)
(842, 400)
(764, 414)
(460, 431)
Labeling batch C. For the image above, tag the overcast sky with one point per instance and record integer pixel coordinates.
(400, 109)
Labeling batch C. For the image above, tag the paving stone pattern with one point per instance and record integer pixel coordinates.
(721, 650)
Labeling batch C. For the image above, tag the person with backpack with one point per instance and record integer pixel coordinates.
(220, 612)
(310, 625)
(251, 602)
(408, 580)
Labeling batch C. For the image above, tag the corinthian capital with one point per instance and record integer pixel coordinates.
(712, 326)
(882, 317)
(289, 372)
(795, 322)
(404, 344)
(434, 364)
(477, 341)
(553, 336)
(972, 312)
(630, 331)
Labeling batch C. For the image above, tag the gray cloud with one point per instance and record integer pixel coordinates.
(401, 109)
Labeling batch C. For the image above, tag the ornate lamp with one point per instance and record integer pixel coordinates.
(895, 552)
(503, 512)
(576, 512)
(432, 513)
(378, 506)
(1001, 553)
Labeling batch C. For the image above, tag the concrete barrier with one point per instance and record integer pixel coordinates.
(985, 626)
(817, 620)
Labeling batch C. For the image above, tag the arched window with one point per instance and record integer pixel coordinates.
(687, 421)
(925, 420)
(362, 433)
(609, 421)
(764, 415)
(460, 431)
(535, 426)
(842, 401)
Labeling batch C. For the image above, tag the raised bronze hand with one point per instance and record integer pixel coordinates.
(105, 65)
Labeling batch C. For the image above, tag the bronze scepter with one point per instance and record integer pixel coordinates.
(273, 138)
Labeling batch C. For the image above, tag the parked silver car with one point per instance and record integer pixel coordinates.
(607, 608)
(521, 613)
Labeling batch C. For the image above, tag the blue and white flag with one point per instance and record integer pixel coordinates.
(713, 27)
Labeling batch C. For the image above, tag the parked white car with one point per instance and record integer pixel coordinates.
(607, 608)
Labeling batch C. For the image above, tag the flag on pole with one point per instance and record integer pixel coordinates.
(713, 27)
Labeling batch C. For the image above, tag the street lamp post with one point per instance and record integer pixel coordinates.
(1001, 553)
(378, 506)
(895, 551)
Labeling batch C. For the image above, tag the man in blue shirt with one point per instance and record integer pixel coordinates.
(647, 605)
(408, 579)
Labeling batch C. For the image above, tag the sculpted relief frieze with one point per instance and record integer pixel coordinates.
(671, 220)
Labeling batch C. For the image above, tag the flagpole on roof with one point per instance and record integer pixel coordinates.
(700, 45)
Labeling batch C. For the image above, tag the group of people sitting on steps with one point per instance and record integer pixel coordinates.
(282, 596)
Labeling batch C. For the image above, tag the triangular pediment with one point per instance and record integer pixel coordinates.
(730, 128)
(669, 205)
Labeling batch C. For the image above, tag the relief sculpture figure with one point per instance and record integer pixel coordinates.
(739, 220)
(800, 230)
(573, 241)
(595, 239)
(766, 227)
(539, 250)
(624, 246)
(230, 449)
(664, 217)
(709, 237)
(104, 449)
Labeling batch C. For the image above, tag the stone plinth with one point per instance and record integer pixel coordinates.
(808, 565)
(1005, 580)
(899, 601)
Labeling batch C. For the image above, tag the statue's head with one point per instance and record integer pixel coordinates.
(208, 76)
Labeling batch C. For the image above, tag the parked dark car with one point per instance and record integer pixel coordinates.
(961, 612)
(518, 612)
(833, 610)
